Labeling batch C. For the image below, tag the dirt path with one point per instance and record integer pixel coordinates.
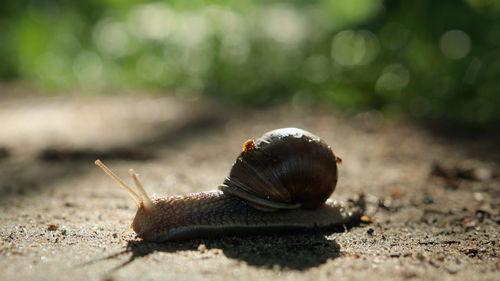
(434, 201)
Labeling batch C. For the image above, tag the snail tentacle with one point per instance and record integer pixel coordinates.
(148, 204)
(125, 187)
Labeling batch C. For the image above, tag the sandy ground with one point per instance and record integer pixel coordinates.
(434, 201)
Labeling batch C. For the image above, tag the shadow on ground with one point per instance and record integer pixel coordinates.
(144, 148)
(297, 251)
(52, 164)
(480, 142)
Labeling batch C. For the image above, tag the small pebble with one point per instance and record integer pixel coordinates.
(202, 248)
(478, 196)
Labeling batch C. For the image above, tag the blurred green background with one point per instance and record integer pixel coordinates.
(429, 60)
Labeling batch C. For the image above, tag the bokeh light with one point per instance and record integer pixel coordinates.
(428, 59)
(88, 69)
(112, 38)
(354, 47)
(455, 44)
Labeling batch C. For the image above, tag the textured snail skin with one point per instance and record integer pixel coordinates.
(214, 214)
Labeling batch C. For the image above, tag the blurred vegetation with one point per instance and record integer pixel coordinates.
(437, 60)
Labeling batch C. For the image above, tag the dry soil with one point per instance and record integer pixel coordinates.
(433, 200)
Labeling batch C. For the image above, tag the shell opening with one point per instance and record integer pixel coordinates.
(145, 201)
(255, 201)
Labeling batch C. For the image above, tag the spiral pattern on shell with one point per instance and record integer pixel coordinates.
(284, 169)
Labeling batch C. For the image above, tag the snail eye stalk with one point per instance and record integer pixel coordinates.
(130, 192)
(148, 204)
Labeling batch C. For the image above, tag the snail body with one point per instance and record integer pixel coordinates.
(281, 182)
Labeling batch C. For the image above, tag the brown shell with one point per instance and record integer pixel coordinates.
(286, 168)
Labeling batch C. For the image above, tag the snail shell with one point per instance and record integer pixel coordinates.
(286, 168)
(278, 183)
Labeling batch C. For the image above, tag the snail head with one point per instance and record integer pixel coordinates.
(146, 209)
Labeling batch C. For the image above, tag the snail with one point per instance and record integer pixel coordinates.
(279, 183)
